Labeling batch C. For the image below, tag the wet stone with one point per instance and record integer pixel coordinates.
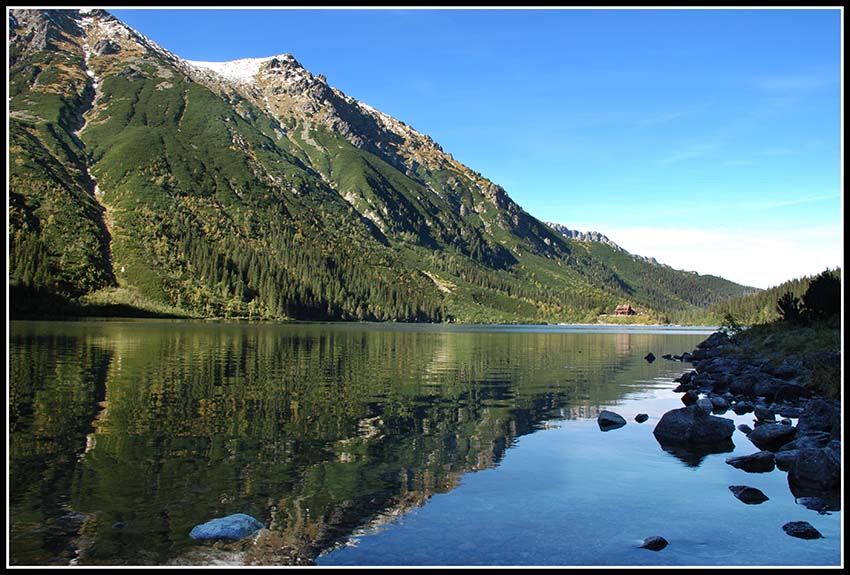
(654, 543)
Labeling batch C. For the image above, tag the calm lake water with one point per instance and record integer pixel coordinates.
(372, 445)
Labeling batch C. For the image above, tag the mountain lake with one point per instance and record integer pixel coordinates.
(373, 445)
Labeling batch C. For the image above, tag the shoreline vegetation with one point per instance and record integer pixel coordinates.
(30, 303)
(804, 330)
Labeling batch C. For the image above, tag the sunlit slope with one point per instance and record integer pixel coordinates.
(138, 176)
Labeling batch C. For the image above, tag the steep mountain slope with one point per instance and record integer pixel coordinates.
(255, 189)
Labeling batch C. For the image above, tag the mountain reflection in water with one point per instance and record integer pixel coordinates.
(126, 434)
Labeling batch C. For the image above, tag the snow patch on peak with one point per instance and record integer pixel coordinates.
(242, 70)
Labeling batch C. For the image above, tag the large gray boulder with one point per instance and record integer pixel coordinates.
(691, 425)
(236, 526)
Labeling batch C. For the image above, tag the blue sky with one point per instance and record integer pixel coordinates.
(709, 139)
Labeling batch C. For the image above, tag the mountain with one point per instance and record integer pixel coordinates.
(255, 189)
(594, 237)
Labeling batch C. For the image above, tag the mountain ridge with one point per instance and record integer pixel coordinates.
(138, 172)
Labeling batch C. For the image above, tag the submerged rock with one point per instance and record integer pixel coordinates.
(609, 420)
(801, 529)
(234, 526)
(654, 543)
(749, 495)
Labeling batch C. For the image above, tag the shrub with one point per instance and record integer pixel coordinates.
(790, 308)
(823, 297)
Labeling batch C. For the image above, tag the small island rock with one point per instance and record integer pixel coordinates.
(691, 425)
(759, 462)
(236, 526)
(801, 529)
(609, 420)
(654, 543)
(749, 495)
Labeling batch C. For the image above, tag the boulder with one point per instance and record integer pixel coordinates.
(786, 410)
(742, 407)
(759, 462)
(236, 526)
(816, 471)
(821, 415)
(691, 425)
(791, 391)
(801, 529)
(783, 459)
(786, 370)
(771, 436)
(705, 405)
(641, 417)
(690, 397)
(816, 439)
(609, 420)
(719, 403)
(714, 340)
(764, 413)
(745, 429)
(654, 543)
(749, 495)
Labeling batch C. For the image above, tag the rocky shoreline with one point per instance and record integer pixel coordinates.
(809, 451)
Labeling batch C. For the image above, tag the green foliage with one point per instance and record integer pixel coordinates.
(823, 296)
(730, 325)
(790, 308)
(764, 306)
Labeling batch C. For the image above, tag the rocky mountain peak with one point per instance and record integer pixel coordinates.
(595, 236)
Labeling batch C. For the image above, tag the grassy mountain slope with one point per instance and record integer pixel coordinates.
(141, 178)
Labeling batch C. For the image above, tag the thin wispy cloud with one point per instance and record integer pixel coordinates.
(796, 83)
(689, 152)
(766, 205)
(662, 118)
